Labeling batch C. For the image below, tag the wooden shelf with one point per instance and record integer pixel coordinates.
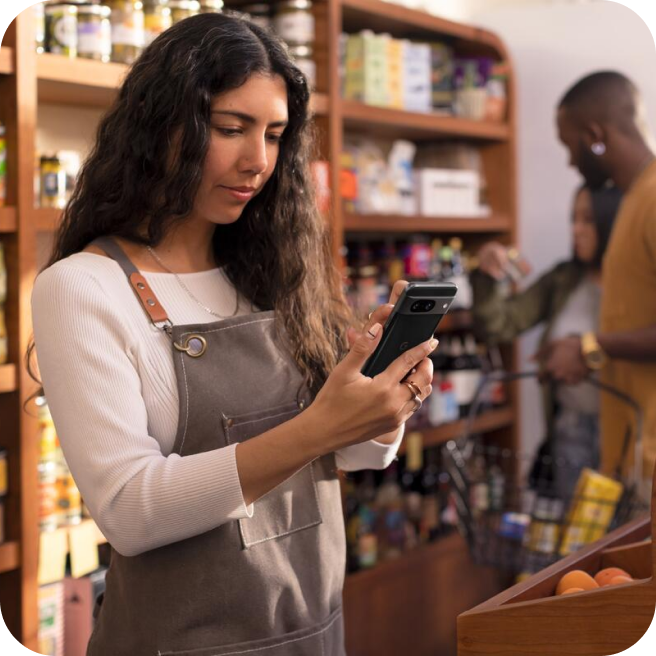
(45, 220)
(399, 21)
(7, 219)
(7, 378)
(486, 422)
(397, 124)
(9, 557)
(401, 224)
(6, 60)
(89, 83)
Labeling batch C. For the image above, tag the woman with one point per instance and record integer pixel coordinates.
(190, 327)
(566, 299)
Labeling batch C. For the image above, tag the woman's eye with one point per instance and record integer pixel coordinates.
(228, 132)
(275, 138)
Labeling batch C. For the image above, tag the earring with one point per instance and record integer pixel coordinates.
(599, 148)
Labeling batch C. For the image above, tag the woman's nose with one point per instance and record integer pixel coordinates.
(255, 159)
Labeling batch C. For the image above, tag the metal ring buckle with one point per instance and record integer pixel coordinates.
(193, 350)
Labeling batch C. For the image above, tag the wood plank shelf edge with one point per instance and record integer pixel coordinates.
(8, 381)
(6, 60)
(9, 557)
(401, 224)
(8, 221)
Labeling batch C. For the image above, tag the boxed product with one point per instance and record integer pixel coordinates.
(417, 77)
(366, 68)
(592, 510)
(395, 72)
(448, 192)
(51, 619)
(79, 600)
(442, 77)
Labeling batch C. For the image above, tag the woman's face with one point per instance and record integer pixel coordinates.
(246, 127)
(584, 231)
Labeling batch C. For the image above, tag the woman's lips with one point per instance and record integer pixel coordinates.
(240, 195)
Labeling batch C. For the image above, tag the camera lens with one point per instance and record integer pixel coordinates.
(429, 305)
(416, 306)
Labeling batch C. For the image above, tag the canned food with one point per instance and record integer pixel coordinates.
(94, 32)
(157, 17)
(61, 30)
(294, 22)
(128, 30)
(260, 14)
(302, 56)
(181, 9)
(53, 183)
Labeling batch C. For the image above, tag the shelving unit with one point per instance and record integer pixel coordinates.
(416, 597)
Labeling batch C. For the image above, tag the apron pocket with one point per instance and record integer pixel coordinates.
(322, 639)
(291, 506)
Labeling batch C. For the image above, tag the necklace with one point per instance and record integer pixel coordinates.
(177, 277)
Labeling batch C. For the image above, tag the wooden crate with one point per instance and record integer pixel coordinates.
(528, 619)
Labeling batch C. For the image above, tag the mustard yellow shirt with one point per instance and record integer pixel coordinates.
(628, 303)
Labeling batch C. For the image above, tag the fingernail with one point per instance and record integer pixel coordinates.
(433, 344)
(373, 331)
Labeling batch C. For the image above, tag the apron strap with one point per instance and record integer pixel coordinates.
(140, 286)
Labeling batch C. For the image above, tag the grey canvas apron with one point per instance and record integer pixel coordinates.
(269, 585)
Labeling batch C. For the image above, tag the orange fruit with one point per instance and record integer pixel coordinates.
(604, 576)
(572, 590)
(618, 580)
(576, 579)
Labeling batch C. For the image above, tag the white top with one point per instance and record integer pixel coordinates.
(109, 378)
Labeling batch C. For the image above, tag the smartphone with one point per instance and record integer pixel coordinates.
(414, 319)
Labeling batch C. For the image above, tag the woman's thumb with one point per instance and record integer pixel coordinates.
(363, 347)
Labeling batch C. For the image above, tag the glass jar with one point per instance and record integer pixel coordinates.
(157, 18)
(211, 6)
(302, 56)
(181, 9)
(39, 27)
(294, 22)
(260, 14)
(94, 32)
(53, 183)
(61, 30)
(128, 32)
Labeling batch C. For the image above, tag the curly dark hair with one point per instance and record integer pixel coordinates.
(145, 169)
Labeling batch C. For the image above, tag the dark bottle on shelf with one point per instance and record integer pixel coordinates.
(430, 526)
(411, 481)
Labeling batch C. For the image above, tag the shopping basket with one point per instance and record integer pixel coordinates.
(510, 508)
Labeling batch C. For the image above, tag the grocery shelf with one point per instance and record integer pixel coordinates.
(398, 124)
(7, 219)
(7, 378)
(84, 82)
(486, 422)
(6, 60)
(397, 223)
(9, 557)
(397, 20)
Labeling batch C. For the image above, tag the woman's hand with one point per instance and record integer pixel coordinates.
(493, 260)
(352, 408)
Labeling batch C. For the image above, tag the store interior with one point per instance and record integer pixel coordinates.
(436, 135)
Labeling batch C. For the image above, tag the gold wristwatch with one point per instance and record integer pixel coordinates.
(593, 354)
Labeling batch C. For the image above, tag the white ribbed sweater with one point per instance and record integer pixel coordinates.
(109, 378)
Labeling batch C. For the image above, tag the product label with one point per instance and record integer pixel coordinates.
(295, 28)
(128, 29)
(65, 33)
(90, 39)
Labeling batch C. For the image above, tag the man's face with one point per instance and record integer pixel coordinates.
(591, 166)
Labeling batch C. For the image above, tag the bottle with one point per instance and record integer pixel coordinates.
(3, 166)
(128, 30)
(459, 375)
(474, 367)
(411, 479)
(391, 515)
(436, 262)
(459, 277)
(430, 526)
(498, 395)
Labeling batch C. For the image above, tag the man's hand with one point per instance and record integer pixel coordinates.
(563, 360)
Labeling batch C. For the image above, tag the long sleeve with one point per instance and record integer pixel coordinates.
(140, 498)
(369, 455)
(500, 320)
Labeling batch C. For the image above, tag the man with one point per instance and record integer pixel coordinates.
(600, 121)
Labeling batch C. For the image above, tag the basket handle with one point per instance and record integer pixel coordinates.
(503, 376)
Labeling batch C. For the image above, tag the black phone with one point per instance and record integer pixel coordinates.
(414, 319)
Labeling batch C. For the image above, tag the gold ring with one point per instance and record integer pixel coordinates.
(414, 388)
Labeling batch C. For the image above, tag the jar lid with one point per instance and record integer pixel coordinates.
(100, 10)
(300, 51)
(295, 4)
(184, 4)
